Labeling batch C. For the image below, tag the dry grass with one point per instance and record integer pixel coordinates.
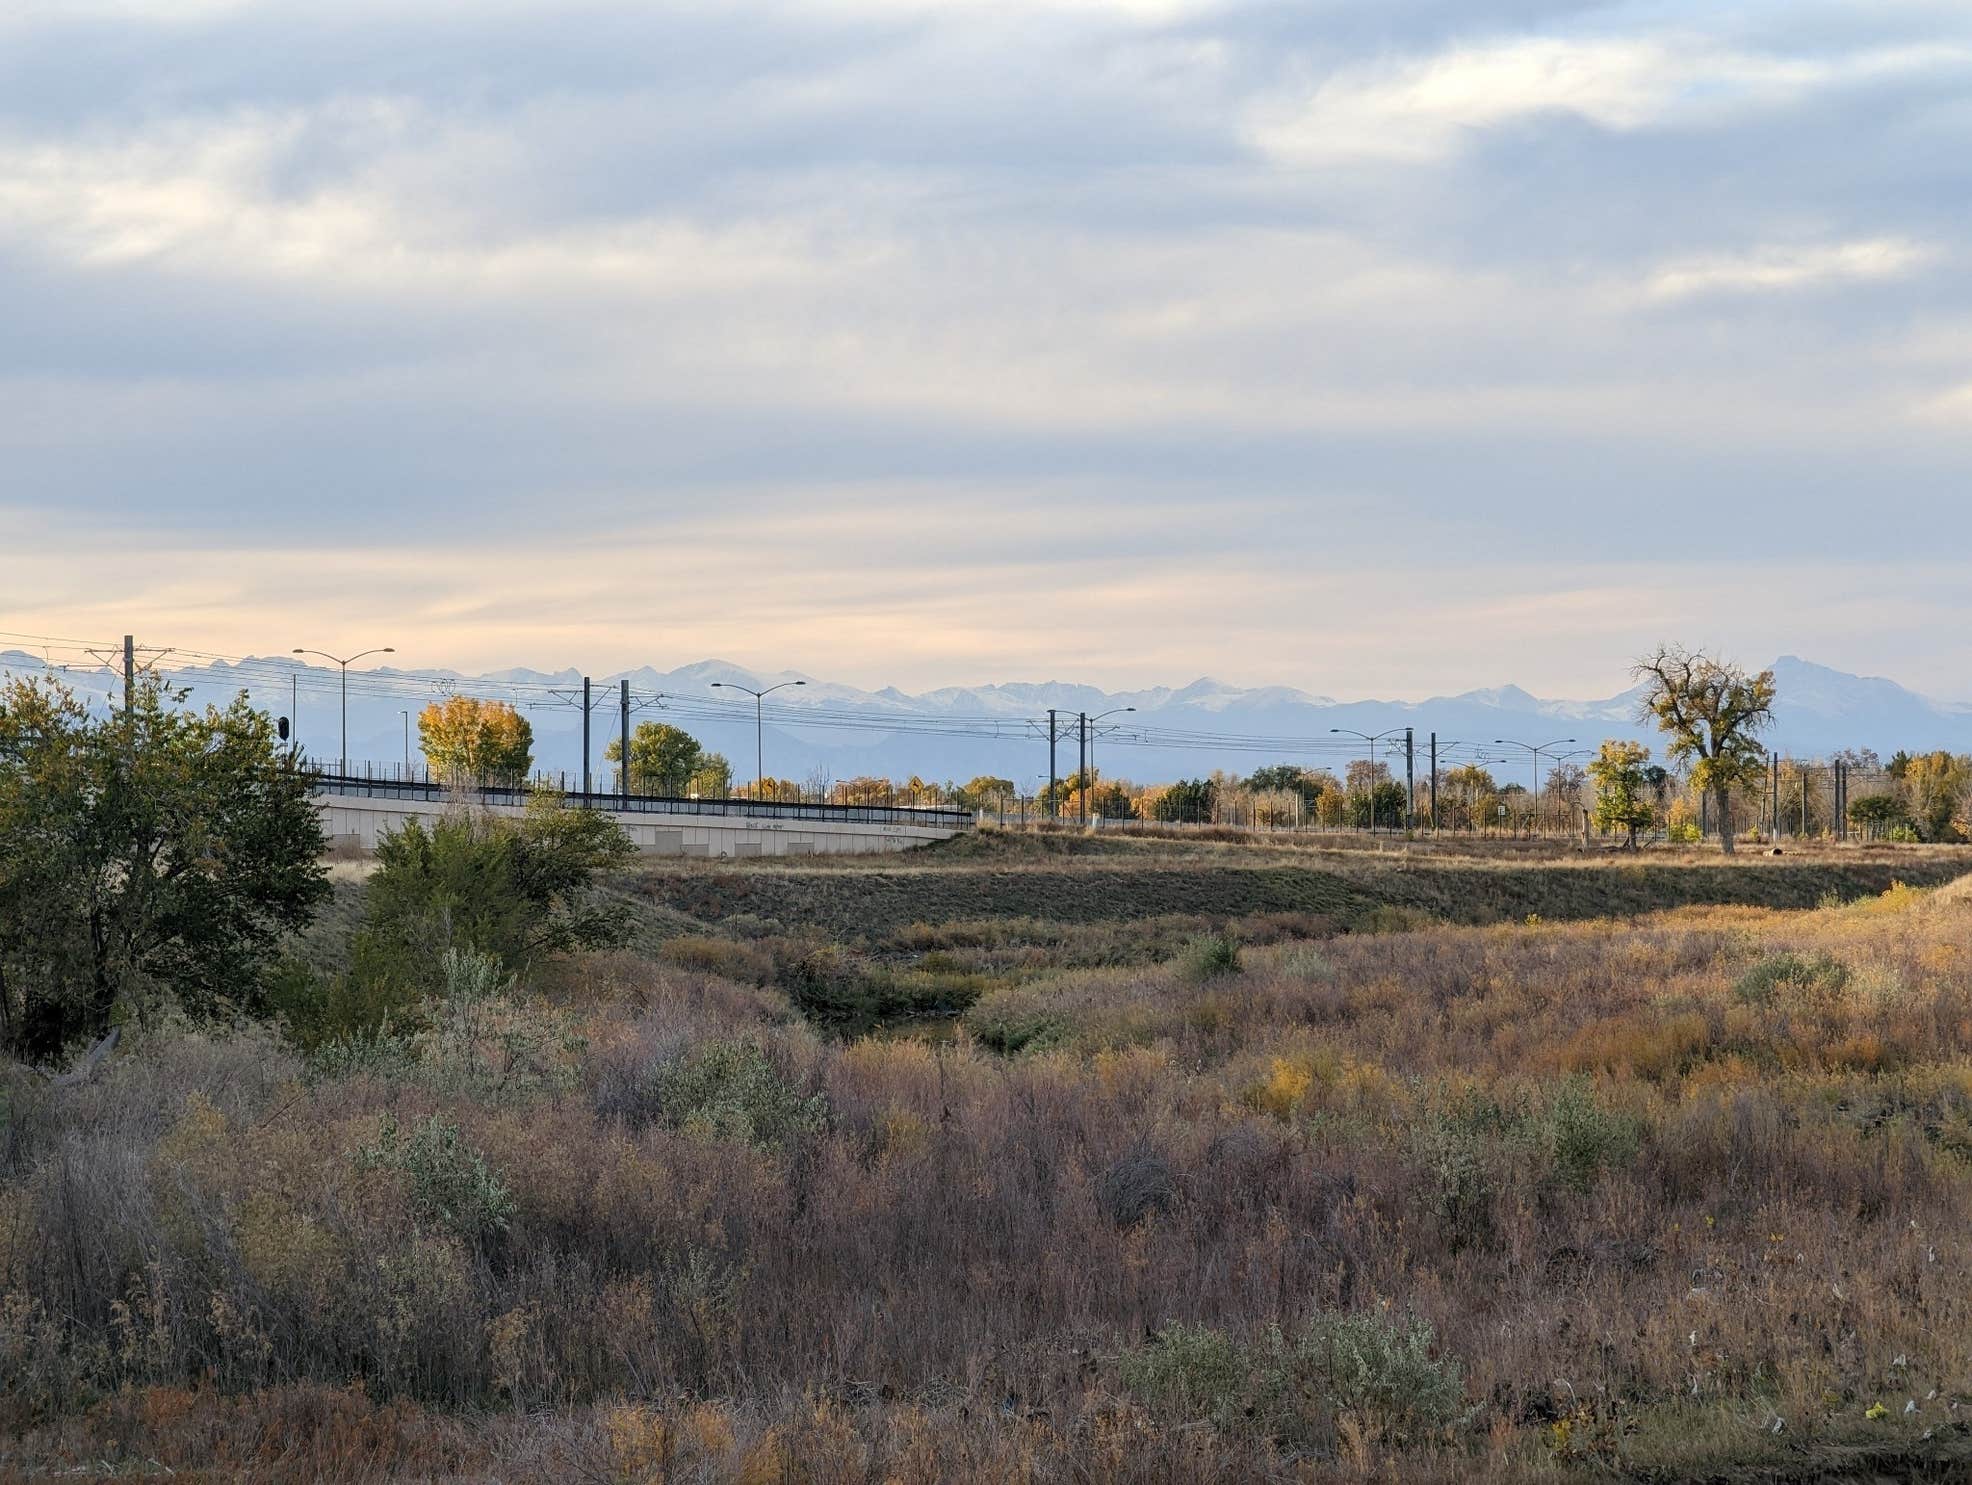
(1653, 1187)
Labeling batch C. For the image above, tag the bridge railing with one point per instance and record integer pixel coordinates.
(424, 791)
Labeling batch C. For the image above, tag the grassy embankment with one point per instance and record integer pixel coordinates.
(862, 942)
(1673, 1196)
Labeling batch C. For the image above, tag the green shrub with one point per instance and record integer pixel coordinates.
(318, 1011)
(1304, 962)
(1683, 833)
(451, 1183)
(1010, 1021)
(1450, 1154)
(1569, 1140)
(1795, 975)
(1379, 1374)
(848, 993)
(518, 890)
(732, 1090)
(1210, 955)
(384, 1055)
(1583, 1139)
(1193, 1371)
(487, 1040)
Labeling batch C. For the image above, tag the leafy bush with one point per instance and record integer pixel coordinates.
(518, 891)
(843, 991)
(1583, 1139)
(1383, 1372)
(450, 1181)
(1798, 975)
(733, 1090)
(1380, 1375)
(384, 1055)
(318, 1011)
(1010, 1021)
(486, 1039)
(1569, 1139)
(1450, 1154)
(1193, 1371)
(1683, 833)
(1210, 955)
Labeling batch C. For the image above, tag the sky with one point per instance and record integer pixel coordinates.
(1378, 349)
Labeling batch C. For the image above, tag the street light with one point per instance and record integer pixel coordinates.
(342, 763)
(1372, 739)
(1534, 753)
(759, 743)
(1091, 780)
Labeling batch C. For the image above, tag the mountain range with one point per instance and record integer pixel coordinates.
(957, 732)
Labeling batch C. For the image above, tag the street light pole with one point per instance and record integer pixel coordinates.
(759, 727)
(1371, 739)
(342, 763)
(1534, 755)
(1090, 781)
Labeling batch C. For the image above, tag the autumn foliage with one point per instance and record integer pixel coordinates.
(466, 740)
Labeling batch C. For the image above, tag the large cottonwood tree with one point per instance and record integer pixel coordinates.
(1713, 713)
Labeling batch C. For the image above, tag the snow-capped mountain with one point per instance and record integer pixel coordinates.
(959, 731)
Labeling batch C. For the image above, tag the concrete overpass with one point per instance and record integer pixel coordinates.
(356, 811)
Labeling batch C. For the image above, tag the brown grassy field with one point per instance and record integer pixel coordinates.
(1447, 1169)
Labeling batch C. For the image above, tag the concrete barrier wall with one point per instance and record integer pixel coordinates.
(355, 822)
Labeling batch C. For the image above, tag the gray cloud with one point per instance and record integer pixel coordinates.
(1003, 296)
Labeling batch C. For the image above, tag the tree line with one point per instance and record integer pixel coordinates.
(159, 859)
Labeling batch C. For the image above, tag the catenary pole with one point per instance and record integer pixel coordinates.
(1054, 794)
(1410, 779)
(1083, 755)
(1434, 783)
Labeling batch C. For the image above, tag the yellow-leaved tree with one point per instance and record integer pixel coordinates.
(1622, 787)
(469, 741)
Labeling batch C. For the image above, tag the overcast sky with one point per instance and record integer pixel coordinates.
(1382, 347)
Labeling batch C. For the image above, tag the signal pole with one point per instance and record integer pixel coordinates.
(623, 772)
